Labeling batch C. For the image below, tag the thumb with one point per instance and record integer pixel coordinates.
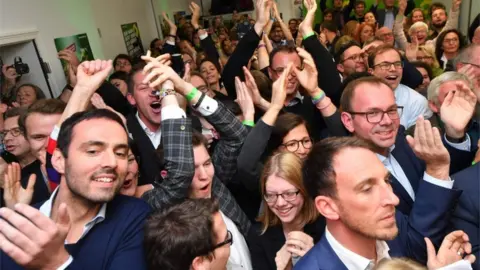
(430, 249)
(471, 258)
(63, 219)
(31, 182)
(411, 141)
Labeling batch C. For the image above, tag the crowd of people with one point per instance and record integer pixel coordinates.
(350, 144)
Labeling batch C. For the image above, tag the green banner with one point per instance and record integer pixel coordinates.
(133, 42)
(78, 44)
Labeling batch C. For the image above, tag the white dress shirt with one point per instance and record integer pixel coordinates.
(414, 105)
(239, 252)
(154, 136)
(352, 260)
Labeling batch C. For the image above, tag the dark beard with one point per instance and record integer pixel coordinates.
(440, 26)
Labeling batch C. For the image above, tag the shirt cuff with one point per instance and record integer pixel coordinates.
(442, 183)
(170, 42)
(204, 36)
(172, 112)
(463, 146)
(208, 106)
(55, 132)
(459, 265)
(66, 264)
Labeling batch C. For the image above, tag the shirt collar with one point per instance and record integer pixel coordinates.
(46, 209)
(298, 98)
(382, 157)
(144, 127)
(350, 259)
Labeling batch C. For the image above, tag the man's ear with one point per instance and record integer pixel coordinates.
(58, 161)
(200, 263)
(370, 70)
(327, 207)
(131, 100)
(347, 120)
(340, 68)
(433, 107)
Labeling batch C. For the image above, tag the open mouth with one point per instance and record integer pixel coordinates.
(156, 106)
(285, 211)
(127, 183)
(104, 179)
(391, 78)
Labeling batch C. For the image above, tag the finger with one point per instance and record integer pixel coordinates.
(247, 93)
(471, 258)
(20, 222)
(429, 134)
(296, 242)
(437, 138)
(154, 73)
(39, 220)
(98, 65)
(16, 237)
(420, 132)
(431, 253)
(159, 81)
(63, 219)
(467, 247)
(448, 98)
(12, 251)
(296, 251)
(31, 182)
(450, 238)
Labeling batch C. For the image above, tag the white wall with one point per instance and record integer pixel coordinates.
(109, 15)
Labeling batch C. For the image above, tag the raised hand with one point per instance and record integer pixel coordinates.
(283, 259)
(9, 73)
(412, 49)
(164, 59)
(428, 146)
(279, 89)
(187, 75)
(171, 25)
(32, 239)
(195, 9)
(457, 110)
(244, 100)
(158, 73)
(13, 191)
(453, 247)
(262, 8)
(70, 57)
(275, 11)
(308, 77)
(306, 26)
(91, 74)
(254, 92)
(299, 243)
(456, 4)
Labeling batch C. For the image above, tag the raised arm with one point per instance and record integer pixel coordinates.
(398, 30)
(327, 75)
(285, 29)
(246, 48)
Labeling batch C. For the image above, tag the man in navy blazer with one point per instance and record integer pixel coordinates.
(85, 224)
(371, 113)
(351, 189)
(467, 213)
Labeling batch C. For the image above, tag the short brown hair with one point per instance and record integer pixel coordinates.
(379, 50)
(42, 106)
(13, 112)
(349, 91)
(289, 167)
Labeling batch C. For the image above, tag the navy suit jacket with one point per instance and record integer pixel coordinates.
(430, 218)
(115, 243)
(467, 213)
(414, 168)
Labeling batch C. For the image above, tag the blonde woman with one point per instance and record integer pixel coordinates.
(290, 224)
(426, 55)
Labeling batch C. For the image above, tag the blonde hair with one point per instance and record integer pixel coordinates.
(417, 25)
(350, 28)
(428, 51)
(289, 167)
(399, 264)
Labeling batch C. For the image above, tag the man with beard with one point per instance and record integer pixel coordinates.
(438, 13)
(352, 190)
(350, 58)
(92, 157)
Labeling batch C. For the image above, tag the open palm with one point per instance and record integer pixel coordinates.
(458, 108)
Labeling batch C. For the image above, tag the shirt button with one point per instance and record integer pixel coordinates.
(208, 107)
(182, 127)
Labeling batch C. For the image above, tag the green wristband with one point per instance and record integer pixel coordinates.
(319, 96)
(248, 123)
(308, 35)
(191, 94)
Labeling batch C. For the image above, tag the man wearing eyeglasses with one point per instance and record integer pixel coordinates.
(350, 59)
(15, 143)
(189, 235)
(385, 62)
(371, 113)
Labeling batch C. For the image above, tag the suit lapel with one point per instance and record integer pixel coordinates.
(326, 257)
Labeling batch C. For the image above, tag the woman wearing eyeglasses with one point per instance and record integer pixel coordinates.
(290, 224)
(449, 43)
